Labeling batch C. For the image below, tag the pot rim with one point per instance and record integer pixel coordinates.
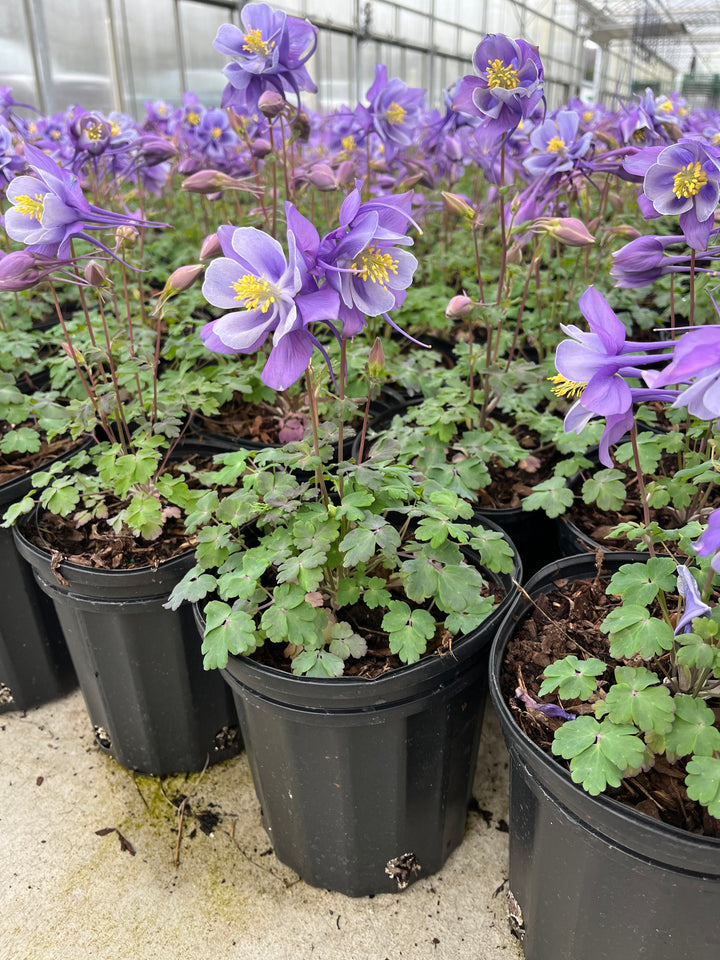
(606, 806)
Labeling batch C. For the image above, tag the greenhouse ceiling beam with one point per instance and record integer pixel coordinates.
(648, 31)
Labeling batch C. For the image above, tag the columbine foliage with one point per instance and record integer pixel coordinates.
(286, 566)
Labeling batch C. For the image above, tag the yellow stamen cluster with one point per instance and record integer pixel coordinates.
(114, 128)
(254, 43)
(498, 75)
(395, 113)
(94, 131)
(716, 139)
(348, 143)
(556, 145)
(30, 207)
(193, 118)
(666, 106)
(566, 388)
(688, 181)
(371, 264)
(639, 136)
(216, 133)
(255, 292)
(587, 116)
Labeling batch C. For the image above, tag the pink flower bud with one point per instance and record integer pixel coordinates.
(271, 103)
(459, 307)
(346, 172)
(624, 230)
(95, 274)
(184, 277)
(568, 230)
(322, 177)
(207, 182)
(261, 148)
(292, 428)
(210, 247)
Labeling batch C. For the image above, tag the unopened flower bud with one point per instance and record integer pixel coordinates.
(459, 307)
(237, 122)
(126, 237)
(207, 182)
(261, 148)
(514, 254)
(322, 177)
(157, 150)
(346, 172)
(568, 230)
(292, 428)
(271, 103)
(18, 271)
(95, 274)
(210, 247)
(300, 125)
(376, 360)
(459, 205)
(184, 277)
(179, 280)
(624, 230)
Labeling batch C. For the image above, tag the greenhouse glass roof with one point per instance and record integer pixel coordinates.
(685, 33)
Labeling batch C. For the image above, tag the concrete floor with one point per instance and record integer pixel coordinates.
(69, 893)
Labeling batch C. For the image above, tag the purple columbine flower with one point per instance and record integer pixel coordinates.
(394, 110)
(269, 55)
(558, 145)
(48, 210)
(644, 260)
(266, 293)
(694, 607)
(592, 368)
(363, 261)
(214, 133)
(684, 181)
(508, 85)
(709, 543)
(696, 357)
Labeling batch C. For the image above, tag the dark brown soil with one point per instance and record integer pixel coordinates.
(379, 659)
(510, 485)
(95, 544)
(566, 621)
(14, 465)
(259, 423)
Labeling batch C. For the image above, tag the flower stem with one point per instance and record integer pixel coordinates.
(641, 488)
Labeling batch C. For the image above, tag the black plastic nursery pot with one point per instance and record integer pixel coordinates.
(152, 705)
(35, 665)
(596, 880)
(364, 785)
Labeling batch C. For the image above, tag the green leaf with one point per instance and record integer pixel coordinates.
(317, 663)
(22, 440)
(60, 498)
(408, 630)
(694, 729)
(633, 631)
(457, 585)
(422, 578)
(144, 516)
(572, 678)
(640, 583)
(551, 496)
(348, 592)
(16, 510)
(375, 594)
(636, 698)
(599, 753)
(606, 488)
(193, 587)
(346, 643)
(358, 546)
(495, 552)
(694, 651)
(292, 618)
(703, 783)
(227, 631)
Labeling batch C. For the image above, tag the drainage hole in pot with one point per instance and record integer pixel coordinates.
(226, 738)
(101, 737)
(5, 694)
